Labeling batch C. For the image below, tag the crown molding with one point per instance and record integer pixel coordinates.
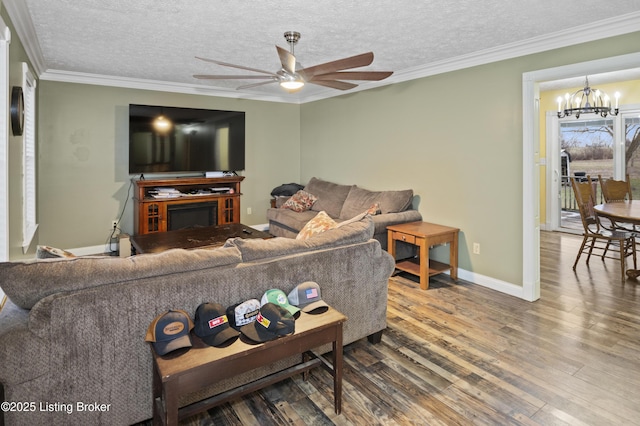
(620, 25)
(611, 27)
(606, 28)
(21, 20)
(156, 85)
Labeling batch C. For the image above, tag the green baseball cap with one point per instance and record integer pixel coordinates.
(279, 298)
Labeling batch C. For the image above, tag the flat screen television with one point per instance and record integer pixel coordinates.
(181, 140)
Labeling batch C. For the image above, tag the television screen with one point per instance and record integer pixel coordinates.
(174, 140)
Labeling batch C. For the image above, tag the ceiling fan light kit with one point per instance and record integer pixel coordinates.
(293, 84)
(292, 77)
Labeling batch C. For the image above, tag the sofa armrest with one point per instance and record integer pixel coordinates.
(23, 355)
(381, 221)
(278, 201)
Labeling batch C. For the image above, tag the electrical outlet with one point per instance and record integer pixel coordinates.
(248, 210)
(114, 224)
(476, 248)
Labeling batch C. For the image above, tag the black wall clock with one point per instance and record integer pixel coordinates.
(17, 111)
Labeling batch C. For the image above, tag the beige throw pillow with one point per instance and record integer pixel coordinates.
(320, 223)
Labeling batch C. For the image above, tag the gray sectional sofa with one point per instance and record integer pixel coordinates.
(73, 330)
(342, 202)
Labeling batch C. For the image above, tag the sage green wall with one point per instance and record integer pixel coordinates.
(83, 156)
(455, 138)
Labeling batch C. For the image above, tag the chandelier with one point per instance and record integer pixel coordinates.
(587, 101)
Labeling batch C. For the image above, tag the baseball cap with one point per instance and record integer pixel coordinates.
(212, 324)
(279, 297)
(170, 331)
(306, 296)
(272, 322)
(243, 313)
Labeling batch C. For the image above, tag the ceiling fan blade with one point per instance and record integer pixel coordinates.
(287, 59)
(356, 61)
(240, 67)
(334, 84)
(232, 77)
(354, 75)
(249, 86)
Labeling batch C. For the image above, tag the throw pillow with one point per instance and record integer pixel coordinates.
(374, 209)
(300, 201)
(320, 223)
(46, 252)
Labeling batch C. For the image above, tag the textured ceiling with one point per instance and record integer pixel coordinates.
(159, 39)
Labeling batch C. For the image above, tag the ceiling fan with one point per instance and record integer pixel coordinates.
(292, 76)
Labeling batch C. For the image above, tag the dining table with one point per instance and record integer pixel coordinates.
(627, 211)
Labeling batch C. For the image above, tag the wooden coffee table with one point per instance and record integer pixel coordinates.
(202, 365)
(201, 237)
(425, 235)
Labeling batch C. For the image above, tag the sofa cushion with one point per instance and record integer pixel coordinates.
(320, 223)
(352, 233)
(395, 201)
(25, 283)
(330, 195)
(354, 219)
(300, 201)
(359, 200)
(292, 219)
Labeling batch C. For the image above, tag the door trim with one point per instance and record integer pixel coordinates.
(531, 157)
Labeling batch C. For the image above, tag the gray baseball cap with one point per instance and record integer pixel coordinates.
(306, 296)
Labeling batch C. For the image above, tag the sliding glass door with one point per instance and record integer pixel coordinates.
(631, 126)
(590, 146)
(587, 150)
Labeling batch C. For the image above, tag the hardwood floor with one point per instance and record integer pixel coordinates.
(460, 354)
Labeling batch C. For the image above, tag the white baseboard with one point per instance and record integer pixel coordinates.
(492, 283)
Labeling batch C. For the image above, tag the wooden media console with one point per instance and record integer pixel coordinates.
(162, 205)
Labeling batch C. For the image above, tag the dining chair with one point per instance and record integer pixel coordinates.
(617, 190)
(595, 236)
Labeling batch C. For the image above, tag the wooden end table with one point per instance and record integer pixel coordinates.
(424, 235)
(203, 365)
